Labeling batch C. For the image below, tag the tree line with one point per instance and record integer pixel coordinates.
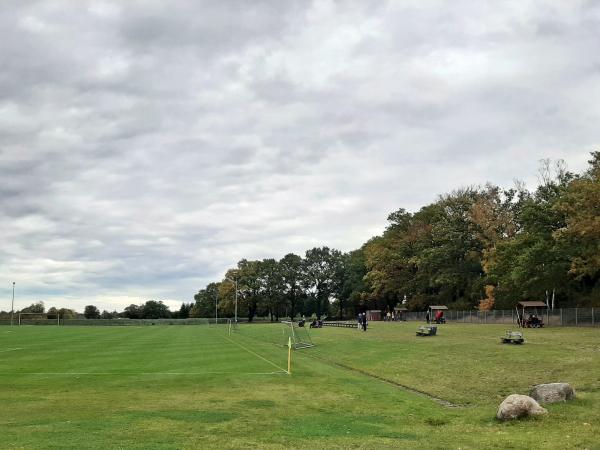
(151, 309)
(482, 247)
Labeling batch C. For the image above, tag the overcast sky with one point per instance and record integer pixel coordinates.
(147, 146)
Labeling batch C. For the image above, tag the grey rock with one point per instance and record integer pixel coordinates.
(552, 392)
(516, 406)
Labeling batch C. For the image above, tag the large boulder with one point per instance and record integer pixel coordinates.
(515, 406)
(552, 392)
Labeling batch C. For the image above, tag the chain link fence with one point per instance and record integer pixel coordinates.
(562, 317)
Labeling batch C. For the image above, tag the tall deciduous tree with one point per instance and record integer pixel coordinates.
(581, 235)
(249, 286)
(155, 310)
(318, 272)
(271, 287)
(290, 268)
(205, 301)
(91, 312)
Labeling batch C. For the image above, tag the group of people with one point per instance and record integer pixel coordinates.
(439, 317)
(362, 321)
(316, 323)
(391, 316)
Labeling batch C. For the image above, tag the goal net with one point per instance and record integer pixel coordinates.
(25, 318)
(300, 336)
(223, 324)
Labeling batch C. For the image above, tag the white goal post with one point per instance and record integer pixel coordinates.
(300, 336)
(38, 318)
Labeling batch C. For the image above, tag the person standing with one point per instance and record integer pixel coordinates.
(364, 321)
(427, 317)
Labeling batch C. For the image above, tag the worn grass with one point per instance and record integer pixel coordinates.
(195, 387)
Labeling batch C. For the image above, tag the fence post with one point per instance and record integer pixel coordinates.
(470, 317)
(484, 316)
(561, 321)
(575, 316)
(592, 316)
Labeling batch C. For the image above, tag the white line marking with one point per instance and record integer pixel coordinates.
(10, 350)
(256, 354)
(143, 373)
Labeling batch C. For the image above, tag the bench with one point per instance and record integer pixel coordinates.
(340, 324)
(512, 337)
(426, 331)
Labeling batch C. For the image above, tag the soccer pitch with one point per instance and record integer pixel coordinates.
(199, 387)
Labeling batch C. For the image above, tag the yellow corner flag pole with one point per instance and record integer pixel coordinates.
(289, 356)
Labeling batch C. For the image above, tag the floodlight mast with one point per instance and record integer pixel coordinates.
(12, 306)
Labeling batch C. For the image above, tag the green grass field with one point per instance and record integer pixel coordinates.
(197, 387)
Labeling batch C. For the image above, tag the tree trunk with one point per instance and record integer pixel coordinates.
(318, 305)
(292, 305)
(252, 311)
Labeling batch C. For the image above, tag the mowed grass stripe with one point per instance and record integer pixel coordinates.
(160, 349)
(320, 406)
(279, 372)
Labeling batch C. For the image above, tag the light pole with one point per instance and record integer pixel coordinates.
(235, 282)
(12, 306)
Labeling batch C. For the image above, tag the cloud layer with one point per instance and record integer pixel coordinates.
(145, 148)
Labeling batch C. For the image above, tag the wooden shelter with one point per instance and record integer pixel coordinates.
(374, 315)
(531, 307)
(400, 311)
(439, 313)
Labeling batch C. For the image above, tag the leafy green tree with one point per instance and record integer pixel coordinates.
(348, 282)
(271, 290)
(108, 315)
(52, 313)
(318, 274)
(37, 307)
(133, 312)
(580, 205)
(184, 311)
(533, 264)
(155, 310)
(91, 312)
(66, 313)
(250, 286)
(205, 299)
(290, 267)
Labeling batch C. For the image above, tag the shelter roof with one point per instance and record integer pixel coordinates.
(400, 309)
(438, 307)
(533, 304)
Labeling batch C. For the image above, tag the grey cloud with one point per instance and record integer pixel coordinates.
(144, 151)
